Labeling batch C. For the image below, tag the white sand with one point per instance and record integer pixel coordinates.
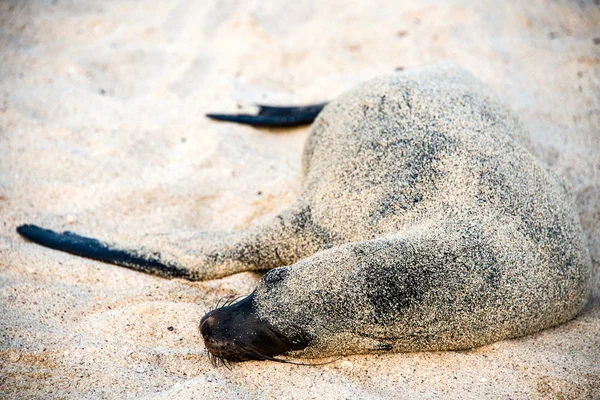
(102, 132)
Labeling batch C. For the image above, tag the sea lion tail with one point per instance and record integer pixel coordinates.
(94, 249)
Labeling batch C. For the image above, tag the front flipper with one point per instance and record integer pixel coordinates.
(94, 249)
(272, 116)
(198, 256)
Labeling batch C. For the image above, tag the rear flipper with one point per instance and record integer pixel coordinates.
(271, 116)
(203, 256)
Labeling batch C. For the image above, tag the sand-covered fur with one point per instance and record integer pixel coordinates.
(447, 233)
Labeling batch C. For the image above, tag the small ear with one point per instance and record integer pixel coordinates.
(275, 276)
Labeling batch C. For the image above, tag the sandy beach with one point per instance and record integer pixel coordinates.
(102, 132)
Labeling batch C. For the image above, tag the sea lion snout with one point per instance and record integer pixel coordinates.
(234, 332)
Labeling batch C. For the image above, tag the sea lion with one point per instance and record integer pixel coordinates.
(423, 223)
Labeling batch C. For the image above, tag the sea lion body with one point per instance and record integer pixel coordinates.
(447, 232)
(424, 223)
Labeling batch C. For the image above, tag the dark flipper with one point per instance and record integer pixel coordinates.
(271, 116)
(94, 249)
(198, 256)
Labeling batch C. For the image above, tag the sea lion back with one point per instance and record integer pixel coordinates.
(382, 155)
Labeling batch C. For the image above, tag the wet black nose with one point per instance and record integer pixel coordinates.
(207, 324)
(215, 340)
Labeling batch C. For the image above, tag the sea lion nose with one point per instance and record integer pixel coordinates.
(207, 325)
(209, 329)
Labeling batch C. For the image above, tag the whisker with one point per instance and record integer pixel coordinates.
(280, 360)
(231, 301)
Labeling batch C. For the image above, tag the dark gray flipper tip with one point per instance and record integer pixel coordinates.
(65, 241)
(40, 235)
(273, 116)
(94, 249)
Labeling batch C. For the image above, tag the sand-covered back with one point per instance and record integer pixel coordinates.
(102, 132)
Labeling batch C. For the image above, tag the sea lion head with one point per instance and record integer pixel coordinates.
(234, 332)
